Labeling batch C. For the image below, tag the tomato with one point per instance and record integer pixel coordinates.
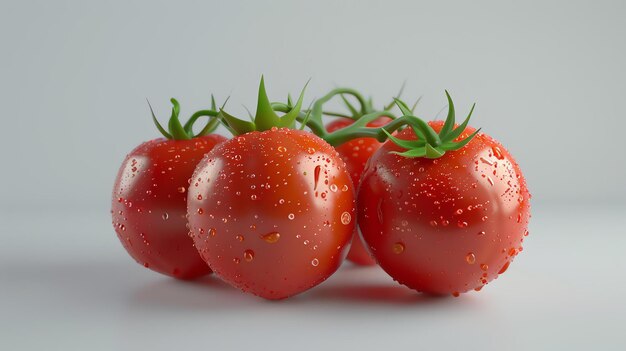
(444, 225)
(150, 204)
(355, 154)
(272, 212)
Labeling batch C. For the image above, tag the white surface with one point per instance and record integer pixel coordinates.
(67, 284)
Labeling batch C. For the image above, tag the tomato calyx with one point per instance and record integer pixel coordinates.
(177, 131)
(430, 144)
(265, 117)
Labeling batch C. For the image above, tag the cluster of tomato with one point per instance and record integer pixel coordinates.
(441, 207)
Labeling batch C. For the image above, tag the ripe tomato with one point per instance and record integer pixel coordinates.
(355, 154)
(272, 212)
(150, 204)
(445, 225)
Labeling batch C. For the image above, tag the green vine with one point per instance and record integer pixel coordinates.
(429, 143)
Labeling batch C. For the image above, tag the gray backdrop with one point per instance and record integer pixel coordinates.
(548, 78)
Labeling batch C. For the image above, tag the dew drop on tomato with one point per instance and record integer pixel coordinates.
(398, 248)
(346, 218)
(504, 268)
(248, 255)
(470, 258)
(271, 238)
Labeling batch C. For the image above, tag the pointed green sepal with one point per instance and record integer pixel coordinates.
(288, 120)
(174, 125)
(413, 153)
(433, 152)
(458, 130)
(157, 124)
(453, 146)
(450, 119)
(265, 117)
(350, 107)
(407, 144)
(238, 125)
(213, 104)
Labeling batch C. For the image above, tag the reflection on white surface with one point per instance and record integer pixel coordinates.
(75, 288)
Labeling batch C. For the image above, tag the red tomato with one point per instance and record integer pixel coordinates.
(445, 225)
(272, 212)
(150, 204)
(355, 154)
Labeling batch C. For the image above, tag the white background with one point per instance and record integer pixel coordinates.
(549, 80)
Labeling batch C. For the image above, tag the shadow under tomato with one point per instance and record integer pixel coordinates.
(387, 294)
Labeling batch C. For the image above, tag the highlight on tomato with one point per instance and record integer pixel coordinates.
(443, 208)
(271, 211)
(149, 202)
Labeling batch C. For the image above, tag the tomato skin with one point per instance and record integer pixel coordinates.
(149, 205)
(447, 225)
(272, 212)
(355, 153)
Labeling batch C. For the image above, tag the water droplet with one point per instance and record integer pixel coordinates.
(240, 238)
(282, 149)
(310, 150)
(165, 216)
(346, 218)
(497, 152)
(316, 176)
(146, 264)
(199, 197)
(456, 294)
(484, 267)
(212, 232)
(470, 258)
(271, 238)
(433, 223)
(252, 197)
(344, 188)
(462, 224)
(248, 255)
(281, 201)
(181, 189)
(459, 211)
(315, 262)
(333, 188)
(397, 248)
(200, 211)
(236, 260)
(482, 233)
(505, 267)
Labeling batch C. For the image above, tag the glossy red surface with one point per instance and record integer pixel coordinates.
(272, 212)
(355, 153)
(149, 205)
(446, 225)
